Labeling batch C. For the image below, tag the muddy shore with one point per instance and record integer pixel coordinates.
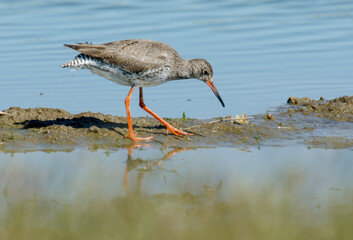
(314, 123)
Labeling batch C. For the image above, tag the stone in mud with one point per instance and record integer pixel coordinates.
(269, 117)
(296, 101)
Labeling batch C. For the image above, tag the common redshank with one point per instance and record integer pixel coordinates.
(141, 63)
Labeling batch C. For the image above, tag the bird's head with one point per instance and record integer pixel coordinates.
(202, 70)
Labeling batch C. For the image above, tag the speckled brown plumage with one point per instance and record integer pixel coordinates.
(134, 55)
(141, 63)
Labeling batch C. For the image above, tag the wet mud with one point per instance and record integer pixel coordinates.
(315, 123)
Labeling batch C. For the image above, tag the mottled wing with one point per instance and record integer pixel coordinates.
(133, 55)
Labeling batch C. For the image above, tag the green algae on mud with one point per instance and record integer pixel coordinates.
(315, 123)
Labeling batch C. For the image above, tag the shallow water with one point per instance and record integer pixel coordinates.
(62, 176)
(262, 52)
(137, 192)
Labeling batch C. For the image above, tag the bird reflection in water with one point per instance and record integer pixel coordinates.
(146, 166)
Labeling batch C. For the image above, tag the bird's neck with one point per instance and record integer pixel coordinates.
(185, 70)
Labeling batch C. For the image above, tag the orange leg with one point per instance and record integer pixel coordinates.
(174, 130)
(131, 134)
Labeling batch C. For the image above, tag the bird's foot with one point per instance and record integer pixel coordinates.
(177, 132)
(133, 137)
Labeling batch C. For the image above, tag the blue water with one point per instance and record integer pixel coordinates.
(262, 52)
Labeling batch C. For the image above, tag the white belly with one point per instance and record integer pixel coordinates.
(121, 77)
(118, 75)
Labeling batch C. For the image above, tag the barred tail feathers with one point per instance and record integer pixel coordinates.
(80, 61)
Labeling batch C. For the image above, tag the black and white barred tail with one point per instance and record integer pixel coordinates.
(82, 61)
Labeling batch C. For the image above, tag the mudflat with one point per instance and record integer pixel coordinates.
(315, 123)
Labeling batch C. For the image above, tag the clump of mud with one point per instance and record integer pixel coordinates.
(304, 120)
(338, 109)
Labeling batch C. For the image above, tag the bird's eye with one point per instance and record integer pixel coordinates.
(205, 72)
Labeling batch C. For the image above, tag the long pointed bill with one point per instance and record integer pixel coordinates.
(214, 89)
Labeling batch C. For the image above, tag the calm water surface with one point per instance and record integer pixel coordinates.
(261, 51)
(64, 176)
(139, 192)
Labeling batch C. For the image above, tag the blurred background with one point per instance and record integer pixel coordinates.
(150, 193)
